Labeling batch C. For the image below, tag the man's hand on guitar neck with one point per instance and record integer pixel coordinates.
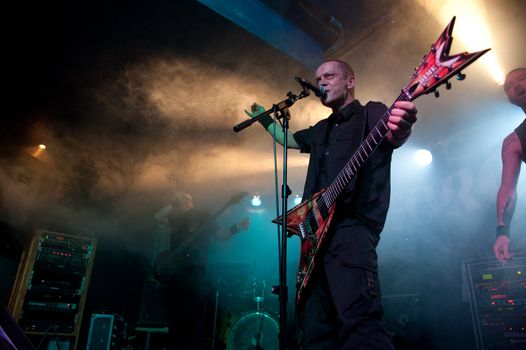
(401, 119)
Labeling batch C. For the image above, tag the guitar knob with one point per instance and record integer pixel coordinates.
(448, 85)
(437, 94)
(461, 76)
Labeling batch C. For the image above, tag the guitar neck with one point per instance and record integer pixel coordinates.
(359, 157)
(201, 228)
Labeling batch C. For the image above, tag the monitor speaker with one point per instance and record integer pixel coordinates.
(100, 332)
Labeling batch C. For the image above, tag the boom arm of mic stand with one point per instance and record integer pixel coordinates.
(279, 107)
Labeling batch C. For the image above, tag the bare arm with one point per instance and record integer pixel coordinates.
(280, 136)
(507, 195)
(162, 215)
(224, 234)
(511, 166)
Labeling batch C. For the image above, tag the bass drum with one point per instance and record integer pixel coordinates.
(255, 330)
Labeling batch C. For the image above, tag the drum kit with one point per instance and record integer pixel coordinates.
(246, 316)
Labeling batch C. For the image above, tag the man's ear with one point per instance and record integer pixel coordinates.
(350, 83)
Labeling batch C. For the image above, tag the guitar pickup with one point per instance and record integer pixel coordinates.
(303, 233)
(306, 233)
(299, 277)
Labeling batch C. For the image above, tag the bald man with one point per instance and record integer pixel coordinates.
(513, 153)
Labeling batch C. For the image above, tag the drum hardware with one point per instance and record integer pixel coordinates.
(254, 330)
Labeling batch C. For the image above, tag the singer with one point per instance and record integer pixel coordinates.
(342, 308)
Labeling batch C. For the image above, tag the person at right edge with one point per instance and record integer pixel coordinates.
(513, 152)
(342, 307)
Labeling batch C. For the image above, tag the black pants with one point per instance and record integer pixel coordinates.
(186, 302)
(342, 309)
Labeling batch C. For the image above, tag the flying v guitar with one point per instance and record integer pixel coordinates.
(310, 220)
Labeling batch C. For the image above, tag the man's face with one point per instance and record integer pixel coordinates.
(182, 202)
(515, 87)
(336, 83)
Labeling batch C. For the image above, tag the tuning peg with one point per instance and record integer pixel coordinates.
(448, 85)
(461, 76)
(437, 94)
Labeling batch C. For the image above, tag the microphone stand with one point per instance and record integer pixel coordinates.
(280, 111)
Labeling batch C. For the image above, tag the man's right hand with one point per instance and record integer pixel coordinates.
(255, 110)
(501, 248)
(268, 124)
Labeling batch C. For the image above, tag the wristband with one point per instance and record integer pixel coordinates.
(266, 121)
(503, 230)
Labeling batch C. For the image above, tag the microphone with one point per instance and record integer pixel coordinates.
(318, 90)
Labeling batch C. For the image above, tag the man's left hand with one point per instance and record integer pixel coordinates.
(401, 119)
(501, 248)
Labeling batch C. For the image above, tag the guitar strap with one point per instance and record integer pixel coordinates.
(365, 130)
(358, 136)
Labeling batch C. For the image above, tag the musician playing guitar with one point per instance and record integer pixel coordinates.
(341, 309)
(183, 267)
(346, 196)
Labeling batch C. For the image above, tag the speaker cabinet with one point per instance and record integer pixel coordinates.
(154, 305)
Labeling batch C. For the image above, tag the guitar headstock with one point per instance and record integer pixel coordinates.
(235, 199)
(438, 66)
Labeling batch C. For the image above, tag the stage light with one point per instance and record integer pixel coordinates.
(423, 157)
(37, 151)
(471, 27)
(255, 201)
(297, 199)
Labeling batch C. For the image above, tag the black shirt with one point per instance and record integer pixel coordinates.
(194, 229)
(331, 143)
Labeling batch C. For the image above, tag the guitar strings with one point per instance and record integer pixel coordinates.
(353, 165)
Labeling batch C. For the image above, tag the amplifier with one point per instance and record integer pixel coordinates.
(50, 289)
(497, 296)
(154, 305)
